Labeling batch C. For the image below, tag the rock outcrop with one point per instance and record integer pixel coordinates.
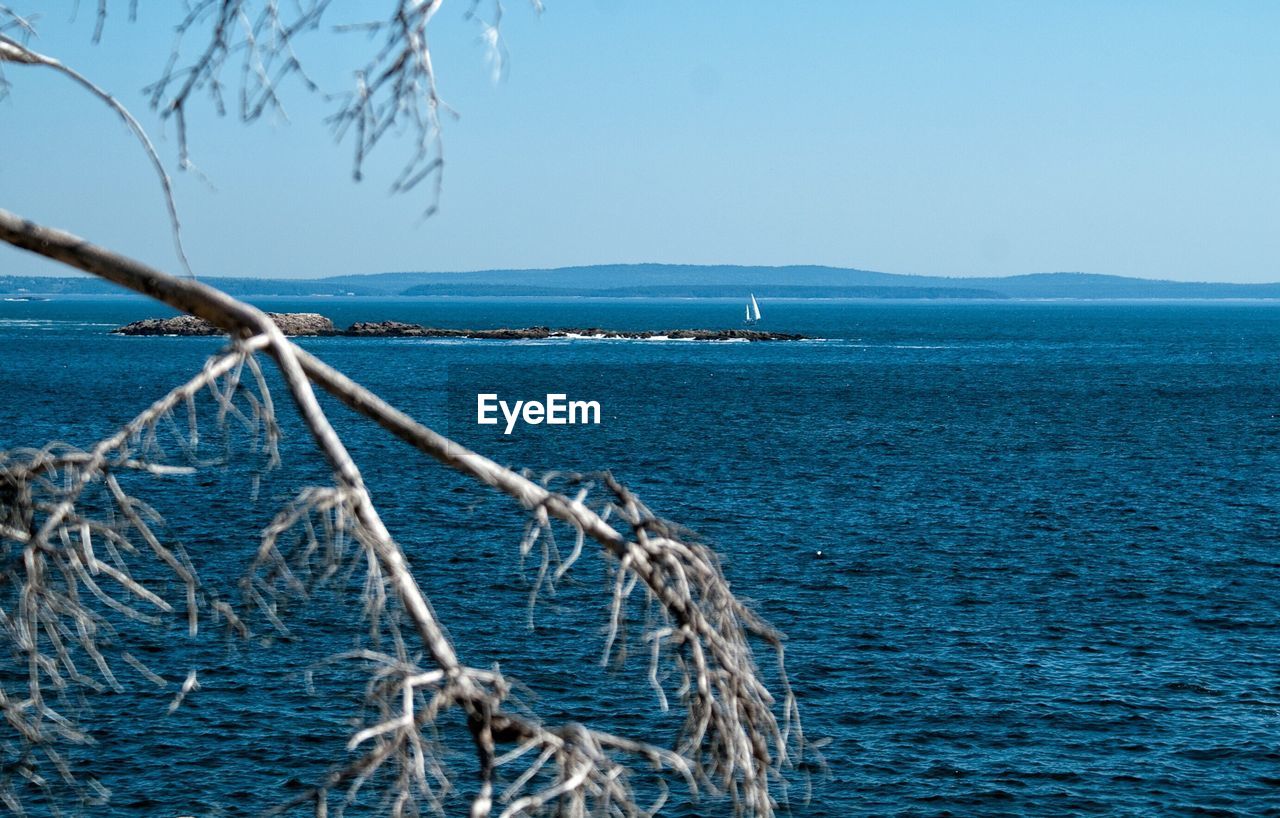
(290, 323)
(399, 329)
(309, 323)
(302, 323)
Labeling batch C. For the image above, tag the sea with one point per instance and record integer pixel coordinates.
(1026, 554)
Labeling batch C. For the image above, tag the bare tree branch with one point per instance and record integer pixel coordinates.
(13, 51)
(393, 91)
(732, 741)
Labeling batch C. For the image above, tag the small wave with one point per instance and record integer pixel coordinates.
(858, 345)
(448, 342)
(567, 339)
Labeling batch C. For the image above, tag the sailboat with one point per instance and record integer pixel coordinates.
(753, 310)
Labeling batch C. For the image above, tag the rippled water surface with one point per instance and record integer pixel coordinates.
(1050, 572)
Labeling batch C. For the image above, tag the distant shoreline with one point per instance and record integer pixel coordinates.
(649, 281)
(314, 324)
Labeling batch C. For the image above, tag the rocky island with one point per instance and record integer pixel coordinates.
(291, 323)
(308, 323)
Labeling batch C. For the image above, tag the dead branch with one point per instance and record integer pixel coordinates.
(70, 562)
(14, 51)
(731, 742)
(393, 91)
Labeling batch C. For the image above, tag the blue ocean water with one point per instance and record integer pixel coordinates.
(1049, 583)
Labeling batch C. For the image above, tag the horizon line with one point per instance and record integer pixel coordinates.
(950, 277)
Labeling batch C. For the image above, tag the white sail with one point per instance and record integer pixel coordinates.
(748, 313)
(755, 307)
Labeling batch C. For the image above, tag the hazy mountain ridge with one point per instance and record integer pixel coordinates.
(690, 281)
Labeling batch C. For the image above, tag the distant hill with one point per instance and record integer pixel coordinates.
(703, 291)
(11, 286)
(690, 281)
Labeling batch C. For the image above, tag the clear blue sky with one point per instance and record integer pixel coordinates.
(1134, 138)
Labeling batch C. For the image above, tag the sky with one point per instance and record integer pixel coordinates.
(1135, 138)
